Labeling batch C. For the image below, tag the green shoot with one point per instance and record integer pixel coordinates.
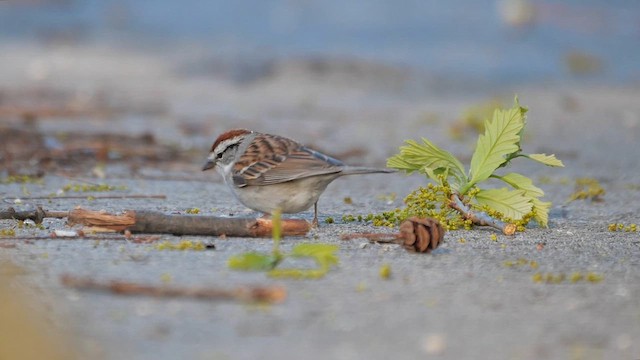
(458, 197)
(323, 254)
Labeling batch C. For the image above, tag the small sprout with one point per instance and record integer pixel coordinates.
(622, 227)
(348, 218)
(493, 237)
(181, 246)
(253, 261)
(558, 278)
(193, 211)
(347, 200)
(166, 278)
(276, 231)
(576, 277)
(473, 118)
(521, 262)
(537, 277)
(20, 179)
(462, 241)
(588, 189)
(385, 271)
(582, 63)
(91, 188)
(329, 220)
(323, 254)
(594, 277)
(7, 232)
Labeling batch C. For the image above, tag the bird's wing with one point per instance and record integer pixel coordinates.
(272, 159)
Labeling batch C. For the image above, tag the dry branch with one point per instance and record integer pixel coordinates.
(36, 215)
(142, 221)
(479, 217)
(268, 294)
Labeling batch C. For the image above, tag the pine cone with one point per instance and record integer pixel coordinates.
(421, 234)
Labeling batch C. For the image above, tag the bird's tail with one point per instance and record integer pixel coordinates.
(354, 170)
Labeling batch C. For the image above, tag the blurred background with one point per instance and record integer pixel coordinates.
(195, 68)
(491, 41)
(131, 93)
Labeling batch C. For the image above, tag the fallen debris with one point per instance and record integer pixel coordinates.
(142, 221)
(416, 234)
(265, 294)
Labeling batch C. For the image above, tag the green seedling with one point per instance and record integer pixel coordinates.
(459, 198)
(324, 256)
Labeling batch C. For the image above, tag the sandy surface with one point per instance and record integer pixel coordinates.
(460, 302)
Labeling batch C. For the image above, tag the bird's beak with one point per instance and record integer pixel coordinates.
(208, 165)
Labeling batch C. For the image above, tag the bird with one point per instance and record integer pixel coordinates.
(267, 172)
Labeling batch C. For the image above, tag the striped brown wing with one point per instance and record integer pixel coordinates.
(272, 159)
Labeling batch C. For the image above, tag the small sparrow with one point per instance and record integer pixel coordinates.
(267, 172)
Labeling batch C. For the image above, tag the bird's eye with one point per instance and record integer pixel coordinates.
(219, 156)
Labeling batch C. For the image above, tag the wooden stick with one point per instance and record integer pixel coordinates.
(268, 294)
(480, 217)
(36, 215)
(142, 221)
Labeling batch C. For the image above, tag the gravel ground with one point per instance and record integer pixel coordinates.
(462, 301)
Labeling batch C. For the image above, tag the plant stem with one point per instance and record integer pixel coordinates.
(480, 217)
(373, 237)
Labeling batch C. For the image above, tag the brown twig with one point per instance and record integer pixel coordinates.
(268, 294)
(373, 237)
(36, 215)
(479, 217)
(51, 237)
(141, 221)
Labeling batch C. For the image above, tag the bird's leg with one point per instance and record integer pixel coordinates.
(314, 223)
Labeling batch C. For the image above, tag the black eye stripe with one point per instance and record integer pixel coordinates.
(230, 147)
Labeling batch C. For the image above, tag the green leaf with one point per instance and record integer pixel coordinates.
(542, 211)
(323, 254)
(253, 261)
(511, 203)
(429, 159)
(521, 182)
(398, 162)
(500, 139)
(549, 160)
